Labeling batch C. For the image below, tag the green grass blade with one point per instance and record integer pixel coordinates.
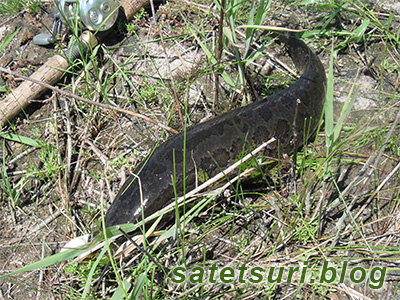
(8, 39)
(270, 28)
(211, 58)
(49, 261)
(329, 105)
(255, 20)
(92, 272)
(20, 139)
(139, 286)
(343, 115)
(120, 292)
(262, 11)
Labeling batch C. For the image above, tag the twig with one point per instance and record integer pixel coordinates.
(77, 168)
(363, 170)
(44, 223)
(69, 142)
(38, 295)
(394, 171)
(144, 251)
(103, 158)
(212, 180)
(102, 105)
(22, 154)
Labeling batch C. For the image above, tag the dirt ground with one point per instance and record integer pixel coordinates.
(58, 189)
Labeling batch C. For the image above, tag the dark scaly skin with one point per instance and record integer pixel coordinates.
(224, 136)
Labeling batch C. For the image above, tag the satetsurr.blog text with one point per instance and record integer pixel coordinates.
(256, 274)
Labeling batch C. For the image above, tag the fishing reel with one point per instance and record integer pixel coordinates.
(94, 15)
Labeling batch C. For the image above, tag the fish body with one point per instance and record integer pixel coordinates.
(215, 144)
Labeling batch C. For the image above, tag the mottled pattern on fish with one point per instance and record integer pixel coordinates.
(220, 140)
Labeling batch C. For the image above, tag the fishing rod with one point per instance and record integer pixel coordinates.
(97, 17)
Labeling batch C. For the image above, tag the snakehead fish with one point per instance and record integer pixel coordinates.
(219, 141)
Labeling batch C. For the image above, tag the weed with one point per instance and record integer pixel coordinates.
(8, 38)
(82, 270)
(48, 155)
(131, 27)
(10, 190)
(9, 7)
